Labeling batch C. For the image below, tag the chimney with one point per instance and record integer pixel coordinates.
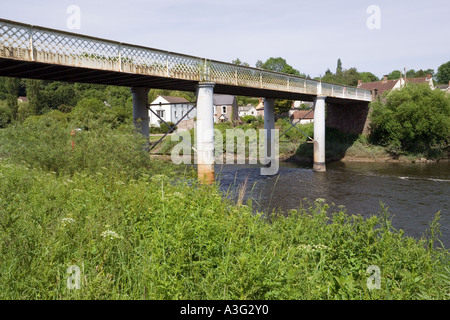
(359, 83)
(385, 78)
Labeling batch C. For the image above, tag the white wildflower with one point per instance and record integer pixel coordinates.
(111, 235)
(312, 248)
(320, 200)
(67, 221)
(178, 195)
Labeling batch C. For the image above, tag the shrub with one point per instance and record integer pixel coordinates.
(5, 115)
(414, 119)
(248, 119)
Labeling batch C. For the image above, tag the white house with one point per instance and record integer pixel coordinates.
(248, 110)
(301, 116)
(170, 109)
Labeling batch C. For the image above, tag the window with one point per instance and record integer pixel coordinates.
(160, 113)
(224, 109)
(175, 113)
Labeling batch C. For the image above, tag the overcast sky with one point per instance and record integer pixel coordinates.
(310, 35)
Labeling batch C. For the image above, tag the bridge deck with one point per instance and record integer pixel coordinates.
(35, 52)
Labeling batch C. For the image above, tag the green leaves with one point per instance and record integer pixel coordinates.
(414, 119)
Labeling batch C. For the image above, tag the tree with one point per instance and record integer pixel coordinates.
(240, 63)
(12, 86)
(395, 75)
(57, 93)
(413, 119)
(278, 65)
(368, 77)
(443, 74)
(33, 88)
(339, 67)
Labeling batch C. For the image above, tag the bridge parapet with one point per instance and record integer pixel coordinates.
(29, 43)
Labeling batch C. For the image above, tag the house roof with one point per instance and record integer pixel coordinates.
(381, 86)
(417, 80)
(387, 85)
(170, 99)
(246, 108)
(224, 100)
(302, 114)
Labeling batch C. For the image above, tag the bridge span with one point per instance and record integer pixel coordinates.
(34, 52)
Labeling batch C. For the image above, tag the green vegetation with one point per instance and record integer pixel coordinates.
(443, 75)
(141, 229)
(347, 77)
(413, 120)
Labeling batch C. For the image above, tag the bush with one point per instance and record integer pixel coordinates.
(92, 113)
(248, 119)
(5, 115)
(414, 119)
(46, 143)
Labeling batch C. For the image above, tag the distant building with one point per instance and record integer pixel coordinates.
(302, 116)
(170, 109)
(22, 99)
(260, 108)
(248, 110)
(444, 87)
(225, 108)
(379, 87)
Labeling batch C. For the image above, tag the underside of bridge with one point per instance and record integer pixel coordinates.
(351, 117)
(54, 72)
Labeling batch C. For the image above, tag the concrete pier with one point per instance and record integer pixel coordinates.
(140, 110)
(319, 134)
(205, 133)
(269, 125)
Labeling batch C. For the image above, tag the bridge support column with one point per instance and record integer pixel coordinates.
(140, 110)
(319, 134)
(205, 133)
(269, 124)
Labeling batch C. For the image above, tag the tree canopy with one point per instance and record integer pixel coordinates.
(278, 65)
(443, 75)
(413, 119)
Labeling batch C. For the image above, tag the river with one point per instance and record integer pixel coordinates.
(414, 193)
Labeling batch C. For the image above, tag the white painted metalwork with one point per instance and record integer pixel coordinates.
(24, 42)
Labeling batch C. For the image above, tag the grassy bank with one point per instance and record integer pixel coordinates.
(141, 229)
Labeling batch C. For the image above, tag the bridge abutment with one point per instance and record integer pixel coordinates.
(205, 132)
(319, 134)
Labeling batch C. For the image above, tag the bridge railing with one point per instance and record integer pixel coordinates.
(31, 43)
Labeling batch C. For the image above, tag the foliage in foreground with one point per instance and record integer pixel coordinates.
(140, 231)
(158, 238)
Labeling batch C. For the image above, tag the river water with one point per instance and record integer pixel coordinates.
(414, 193)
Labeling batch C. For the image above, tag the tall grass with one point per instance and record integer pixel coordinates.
(140, 230)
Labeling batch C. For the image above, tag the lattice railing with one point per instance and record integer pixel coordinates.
(30, 43)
